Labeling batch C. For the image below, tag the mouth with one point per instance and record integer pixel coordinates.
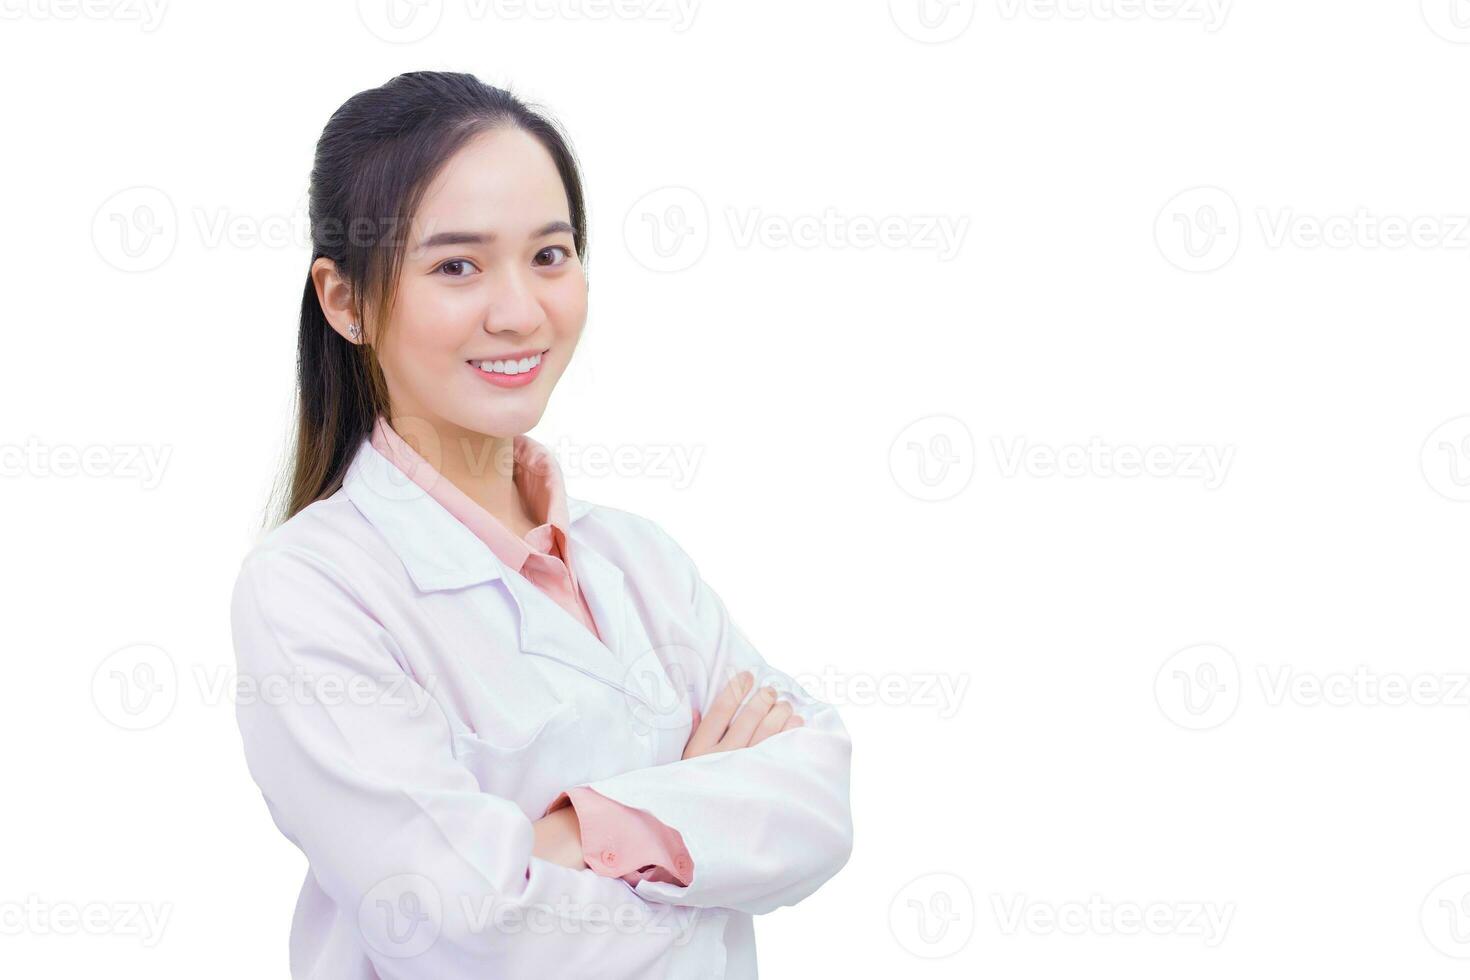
(512, 370)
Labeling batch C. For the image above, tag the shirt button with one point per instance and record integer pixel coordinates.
(609, 858)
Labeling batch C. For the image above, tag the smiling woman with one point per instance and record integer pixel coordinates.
(521, 703)
(491, 272)
(484, 261)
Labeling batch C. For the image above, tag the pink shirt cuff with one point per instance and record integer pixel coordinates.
(623, 842)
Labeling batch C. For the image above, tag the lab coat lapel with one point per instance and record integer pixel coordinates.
(602, 586)
(437, 550)
(548, 630)
(440, 553)
(643, 674)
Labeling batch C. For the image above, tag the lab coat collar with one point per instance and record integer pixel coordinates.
(438, 550)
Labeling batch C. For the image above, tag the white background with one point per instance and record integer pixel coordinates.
(1182, 230)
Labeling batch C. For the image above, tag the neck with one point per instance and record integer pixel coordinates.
(483, 468)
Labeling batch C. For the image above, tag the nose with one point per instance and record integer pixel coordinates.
(513, 306)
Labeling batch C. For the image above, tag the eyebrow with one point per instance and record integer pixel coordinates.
(485, 238)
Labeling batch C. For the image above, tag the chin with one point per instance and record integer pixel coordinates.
(503, 421)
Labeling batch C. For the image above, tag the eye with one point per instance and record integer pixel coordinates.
(454, 264)
(566, 254)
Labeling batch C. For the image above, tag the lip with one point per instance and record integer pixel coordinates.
(511, 380)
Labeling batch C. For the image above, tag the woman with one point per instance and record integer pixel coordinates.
(515, 734)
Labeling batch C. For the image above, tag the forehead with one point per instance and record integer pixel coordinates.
(502, 180)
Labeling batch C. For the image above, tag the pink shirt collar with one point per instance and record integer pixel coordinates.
(537, 477)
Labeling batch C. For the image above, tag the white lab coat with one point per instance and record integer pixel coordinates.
(417, 704)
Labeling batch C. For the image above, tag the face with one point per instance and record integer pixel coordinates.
(490, 278)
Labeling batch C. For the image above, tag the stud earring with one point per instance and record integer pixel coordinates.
(355, 332)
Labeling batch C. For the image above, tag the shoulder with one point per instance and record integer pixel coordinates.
(319, 528)
(305, 592)
(315, 549)
(622, 534)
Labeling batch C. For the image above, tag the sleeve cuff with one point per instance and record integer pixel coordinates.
(624, 842)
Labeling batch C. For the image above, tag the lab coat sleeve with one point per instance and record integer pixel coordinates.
(632, 838)
(354, 760)
(764, 825)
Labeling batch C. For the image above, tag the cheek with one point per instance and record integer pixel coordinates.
(565, 303)
(427, 325)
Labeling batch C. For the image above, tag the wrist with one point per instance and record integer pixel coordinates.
(573, 837)
(559, 838)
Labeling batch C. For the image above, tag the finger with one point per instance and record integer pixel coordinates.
(693, 730)
(693, 727)
(713, 725)
(772, 723)
(795, 721)
(738, 735)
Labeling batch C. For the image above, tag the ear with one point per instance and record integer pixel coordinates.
(335, 295)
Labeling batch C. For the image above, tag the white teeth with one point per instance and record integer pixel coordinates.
(509, 367)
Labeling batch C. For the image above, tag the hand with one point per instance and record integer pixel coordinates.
(761, 718)
(558, 838)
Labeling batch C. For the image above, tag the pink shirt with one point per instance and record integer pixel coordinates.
(617, 841)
